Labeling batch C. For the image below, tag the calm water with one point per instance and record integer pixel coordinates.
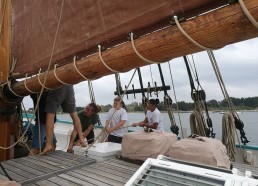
(250, 120)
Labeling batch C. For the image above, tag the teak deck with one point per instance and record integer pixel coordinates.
(61, 168)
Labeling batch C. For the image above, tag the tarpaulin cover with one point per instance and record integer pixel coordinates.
(201, 150)
(141, 145)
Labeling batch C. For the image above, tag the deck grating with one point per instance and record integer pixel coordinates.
(54, 170)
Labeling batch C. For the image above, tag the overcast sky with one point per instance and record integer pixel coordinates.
(238, 65)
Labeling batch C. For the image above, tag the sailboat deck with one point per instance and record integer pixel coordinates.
(61, 168)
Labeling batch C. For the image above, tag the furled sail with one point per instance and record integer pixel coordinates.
(214, 29)
(85, 24)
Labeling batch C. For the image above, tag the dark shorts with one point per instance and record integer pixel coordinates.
(115, 139)
(63, 97)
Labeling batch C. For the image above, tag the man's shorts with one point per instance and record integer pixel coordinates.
(35, 139)
(63, 97)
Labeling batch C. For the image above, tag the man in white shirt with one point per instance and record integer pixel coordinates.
(153, 118)
(115, 120)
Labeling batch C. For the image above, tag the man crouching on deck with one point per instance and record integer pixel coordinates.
(63, 97)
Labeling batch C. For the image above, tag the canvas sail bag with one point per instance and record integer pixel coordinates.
(201, 150)
(141, 145)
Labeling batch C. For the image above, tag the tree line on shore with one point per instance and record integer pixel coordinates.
(249, 103)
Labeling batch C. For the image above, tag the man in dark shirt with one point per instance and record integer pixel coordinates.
(88, 118)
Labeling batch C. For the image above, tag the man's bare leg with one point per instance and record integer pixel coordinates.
(49, 133)
(33, 152)
(71, 143)
(77, 126)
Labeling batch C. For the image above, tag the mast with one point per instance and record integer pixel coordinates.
(7, 124)
(215, 29)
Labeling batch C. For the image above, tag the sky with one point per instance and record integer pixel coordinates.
(238, 65)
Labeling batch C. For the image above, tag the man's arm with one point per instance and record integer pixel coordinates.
(87, 131)
(117, 126)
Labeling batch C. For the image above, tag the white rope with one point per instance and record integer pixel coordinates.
(26, 84)
(103, 62)
(189, 37)
(77, 70)
(42, 84)
(138, 54)
(58, 79)
(9, 86)
(247, 13)
(229, 135)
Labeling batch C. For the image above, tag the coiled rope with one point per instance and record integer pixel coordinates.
(229, 135)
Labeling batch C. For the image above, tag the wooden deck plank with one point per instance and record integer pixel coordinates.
(46, 162)
(13, 175)
(17, 171)
(68, 156)
(46, 183)
(122, 162)
(36, 165)
(110, 169)
(25, 168)
(61, 181)
(89, 180)
(78, 180)
(112, 165)
(100, 177)
(116, 164)
(60, 168)
(102, 172)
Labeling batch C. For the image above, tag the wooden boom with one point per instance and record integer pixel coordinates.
(215, 29)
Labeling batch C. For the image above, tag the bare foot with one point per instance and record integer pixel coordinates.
(83, 144)
(70, 150)
(46, 150)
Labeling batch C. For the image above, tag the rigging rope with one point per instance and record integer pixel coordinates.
(197, 123)
(58, 79)
(199, 99)
(189, 37)
(138, 54)
(103, 62)
(77, 70)
(239, 124)
(229, 134)
(247, 13)
(43, 85)
(26, 84)
(181, 127)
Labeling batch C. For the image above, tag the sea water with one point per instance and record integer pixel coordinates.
(249, 118)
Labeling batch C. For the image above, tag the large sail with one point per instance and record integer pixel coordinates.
(85, 24)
